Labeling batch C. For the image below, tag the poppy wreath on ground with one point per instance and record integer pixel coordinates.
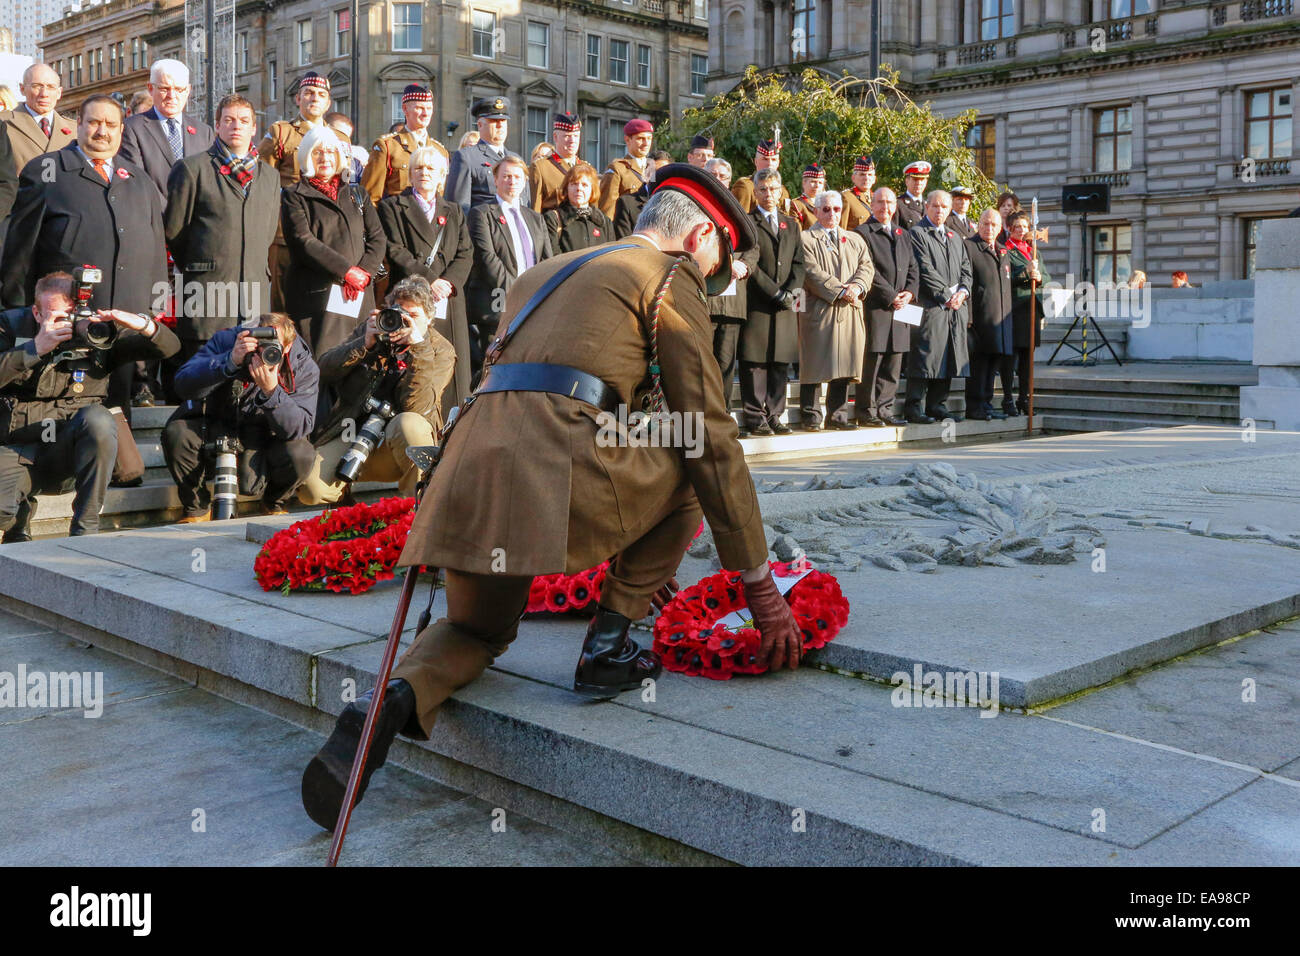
(343, 549)
(571, 593)
(689, 640)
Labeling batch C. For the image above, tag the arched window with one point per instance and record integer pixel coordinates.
(733, 43)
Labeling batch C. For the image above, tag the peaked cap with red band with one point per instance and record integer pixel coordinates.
(735, 228)
(918, 168)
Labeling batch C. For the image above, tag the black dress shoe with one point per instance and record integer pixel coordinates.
(871, 422)
(744, 433)
(840, 426)
(1010, 411)
(762, 431)
(326, 777)
(979, 416)
(810, 426)
(920, 420)
(897, 421)
(780, 428)
(996, 415)
(612, 662)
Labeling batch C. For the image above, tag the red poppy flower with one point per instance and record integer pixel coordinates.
(442, 220)
(898, 232)
(595, 232)
(122, 173)
(225, 170)
(782, 225)
(190, 130)
(501, 219)
(65, 131)
(844, 239)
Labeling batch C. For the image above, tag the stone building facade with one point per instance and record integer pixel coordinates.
(609, 61)
(1183, 106)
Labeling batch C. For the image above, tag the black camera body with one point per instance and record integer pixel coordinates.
(390, 319)
(379, 413)
(89, 331)
(268, 345)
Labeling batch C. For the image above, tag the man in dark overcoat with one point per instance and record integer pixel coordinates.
(893, 285)
(938, 353)
(991, 343)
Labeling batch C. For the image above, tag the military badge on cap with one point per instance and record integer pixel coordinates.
(918, 168)
(496, 107)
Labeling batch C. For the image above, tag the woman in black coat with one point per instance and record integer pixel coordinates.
(334, 238)
(576, 223)
(428, 236)
(1026, 272)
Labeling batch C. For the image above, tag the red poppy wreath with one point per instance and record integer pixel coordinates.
(344, 549)
(691, 638)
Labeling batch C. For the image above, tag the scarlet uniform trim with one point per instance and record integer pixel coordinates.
(728, 226)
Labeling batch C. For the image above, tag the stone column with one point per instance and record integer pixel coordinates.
(1139, 139)
(1079, 161)
(841, 38)
(1000, 147)
(1053, 11)
(929, 23)
(1276, 399)
(1138, 234)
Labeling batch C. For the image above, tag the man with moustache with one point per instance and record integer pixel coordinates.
(701, 151)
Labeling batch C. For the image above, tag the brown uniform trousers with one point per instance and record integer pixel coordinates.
(546, 182)
(743, 190)
(857, 208)
(525, 485)
(620, 179)
(388, 170)
(279, 149)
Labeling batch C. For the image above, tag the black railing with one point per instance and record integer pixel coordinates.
(977, 53)
(1263, 9)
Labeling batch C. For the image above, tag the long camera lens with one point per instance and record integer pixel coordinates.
(371, 434)
(225, 484)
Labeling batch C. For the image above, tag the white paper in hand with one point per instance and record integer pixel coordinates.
(909, 314)
(440, 309)
(341, 306)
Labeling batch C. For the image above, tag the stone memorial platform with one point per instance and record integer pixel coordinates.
(1060, 565)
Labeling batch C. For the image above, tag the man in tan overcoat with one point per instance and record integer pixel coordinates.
(538, 477)
(832, 330)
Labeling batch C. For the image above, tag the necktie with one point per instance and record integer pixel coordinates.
(174, 138)
(101, 167)
(45, 126)
(771, 221)
(525, 241)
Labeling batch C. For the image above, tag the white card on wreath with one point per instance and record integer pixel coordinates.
(341, 306)
(742, 618)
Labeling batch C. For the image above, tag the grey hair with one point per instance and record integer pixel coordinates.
(825, 194)
(938, 192)
(169, 68)
(717, 162)
(763, 175)
(426, 153)
(670, 214)
(885, 189)
(323, 135)
(413, 289)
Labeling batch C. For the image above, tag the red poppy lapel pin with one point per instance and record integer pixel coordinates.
(225, 170)
(843, 239)
(65, 131)
(782, 225)
(122, 173)
(595, 232)
(501, 219)
(898, 232)
(191, 130)
(442, 220)
(950, 234)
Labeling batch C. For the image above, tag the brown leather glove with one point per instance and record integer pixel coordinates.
(782, 642)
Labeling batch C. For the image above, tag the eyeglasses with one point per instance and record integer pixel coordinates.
(169, 90)
(832, 208)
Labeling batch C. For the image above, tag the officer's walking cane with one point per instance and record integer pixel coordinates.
(425, 457)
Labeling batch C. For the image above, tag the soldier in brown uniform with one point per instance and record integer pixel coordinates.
(279, 148)
(627, 174)
(803, 208)
(857, 198)
(387, 171)
(546, 175)
(766, 156)
(527, 486)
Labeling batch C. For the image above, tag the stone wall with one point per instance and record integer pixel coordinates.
(1277, 333)
(1210, 323)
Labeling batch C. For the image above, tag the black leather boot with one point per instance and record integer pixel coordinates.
(612, 662)
(326, 777)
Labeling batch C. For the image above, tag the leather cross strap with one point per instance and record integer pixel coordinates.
(545, 377)
(547, 288)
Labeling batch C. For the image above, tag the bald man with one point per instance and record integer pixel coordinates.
(35, 127)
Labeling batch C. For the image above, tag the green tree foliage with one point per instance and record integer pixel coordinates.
(832, 123)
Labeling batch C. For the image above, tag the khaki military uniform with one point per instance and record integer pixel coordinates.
(802, 209)
(743, 190)
(388, 171)
(279, 149)
(621, 178)
(525, 487)
(857, 208)
(546, 182)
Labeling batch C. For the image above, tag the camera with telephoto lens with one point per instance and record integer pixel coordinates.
(268, 345)
(390, 320)
(367, 440)
(225, 480)
(89, 331)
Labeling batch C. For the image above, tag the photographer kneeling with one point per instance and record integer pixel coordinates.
(389, 377)
(248, 406)
(55, 363)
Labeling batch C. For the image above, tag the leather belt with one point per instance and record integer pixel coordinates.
(544, 377)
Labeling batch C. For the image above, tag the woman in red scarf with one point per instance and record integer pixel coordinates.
(334, 238)
(1027, 272)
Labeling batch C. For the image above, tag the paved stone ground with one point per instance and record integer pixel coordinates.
(123, 788)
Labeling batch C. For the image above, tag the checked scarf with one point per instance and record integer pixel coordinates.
(240, 170)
